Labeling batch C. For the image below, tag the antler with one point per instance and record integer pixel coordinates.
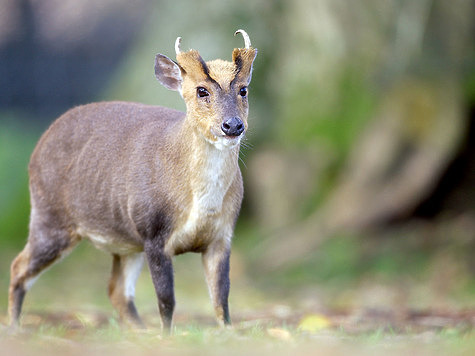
(177, 45)
(247, 41)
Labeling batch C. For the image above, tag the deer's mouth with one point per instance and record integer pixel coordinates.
(222, 141)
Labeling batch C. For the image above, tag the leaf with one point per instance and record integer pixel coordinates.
(279, 333)
(314, 323)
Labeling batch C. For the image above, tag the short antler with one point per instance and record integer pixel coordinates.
(247, 41)
(177, 45)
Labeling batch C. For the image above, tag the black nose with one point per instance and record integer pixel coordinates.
(233, 126)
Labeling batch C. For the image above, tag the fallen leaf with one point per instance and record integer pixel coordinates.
(279, 333)
(314, 322)
(86, 320)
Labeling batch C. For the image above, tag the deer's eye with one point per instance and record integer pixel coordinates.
(243, 91)
(202, 92)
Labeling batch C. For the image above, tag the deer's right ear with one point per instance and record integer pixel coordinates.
(168, 72)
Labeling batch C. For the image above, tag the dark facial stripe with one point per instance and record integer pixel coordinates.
(238, 64)
(206, 72)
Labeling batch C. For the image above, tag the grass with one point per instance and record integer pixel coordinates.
(248, 337)
(68, 312)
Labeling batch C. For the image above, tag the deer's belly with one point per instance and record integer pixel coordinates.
(111, 244)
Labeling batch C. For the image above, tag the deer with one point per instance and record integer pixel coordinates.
(144, 182)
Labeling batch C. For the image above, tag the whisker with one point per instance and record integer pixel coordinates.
(241, 153)
(242, 161)
(246, 143)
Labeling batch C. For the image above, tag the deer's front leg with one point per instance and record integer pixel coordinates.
(161, 269)
(216, 266)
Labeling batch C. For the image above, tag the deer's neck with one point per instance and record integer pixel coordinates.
(211, 172)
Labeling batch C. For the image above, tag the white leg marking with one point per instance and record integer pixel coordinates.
(30, 281)
(132, 268)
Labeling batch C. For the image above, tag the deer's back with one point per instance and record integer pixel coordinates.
(88, 165)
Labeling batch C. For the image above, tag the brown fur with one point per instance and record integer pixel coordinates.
(134, 178)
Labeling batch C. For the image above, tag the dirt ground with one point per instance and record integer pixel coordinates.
(276, 330)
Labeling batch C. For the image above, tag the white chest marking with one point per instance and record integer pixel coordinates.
(210, 186)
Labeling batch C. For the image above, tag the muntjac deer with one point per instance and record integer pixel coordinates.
(140, 180)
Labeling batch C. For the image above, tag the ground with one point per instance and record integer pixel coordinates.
(67, 312)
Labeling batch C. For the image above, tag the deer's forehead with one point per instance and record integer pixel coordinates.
(222, 72)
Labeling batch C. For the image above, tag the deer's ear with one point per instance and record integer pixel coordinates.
(168, 72)
(243, 59)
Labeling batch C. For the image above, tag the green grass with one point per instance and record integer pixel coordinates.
(67, 312)
(366, 302)
(246, 338)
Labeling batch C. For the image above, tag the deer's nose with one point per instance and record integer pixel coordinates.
(233, 126)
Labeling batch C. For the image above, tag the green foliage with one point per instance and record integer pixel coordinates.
(329, 123)
(16, 145)
(338, 260)
(312, 116)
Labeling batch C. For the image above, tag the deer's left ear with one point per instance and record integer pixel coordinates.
(243, 59)
(168, 72)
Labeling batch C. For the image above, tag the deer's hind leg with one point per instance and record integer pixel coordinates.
(46, 245)
(125, 271)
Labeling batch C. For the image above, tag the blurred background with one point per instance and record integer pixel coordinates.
(360, 174)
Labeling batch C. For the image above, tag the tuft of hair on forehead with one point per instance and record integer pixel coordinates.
(218, 70)
(222, 71)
